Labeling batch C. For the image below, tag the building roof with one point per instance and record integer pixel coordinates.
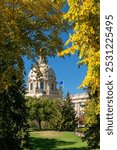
(41, 70)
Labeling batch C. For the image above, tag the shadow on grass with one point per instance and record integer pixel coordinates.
(51, 144)
(81, 148)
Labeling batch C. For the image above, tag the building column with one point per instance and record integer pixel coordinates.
(78, 109)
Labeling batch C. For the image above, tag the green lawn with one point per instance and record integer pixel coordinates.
(53, 140)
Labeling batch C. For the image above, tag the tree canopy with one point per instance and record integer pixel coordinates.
(27, 28)
(58, 114)
(39, 109)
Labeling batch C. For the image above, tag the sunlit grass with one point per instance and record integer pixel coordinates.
(53, 140)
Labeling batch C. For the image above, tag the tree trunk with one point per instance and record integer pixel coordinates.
(39, 124)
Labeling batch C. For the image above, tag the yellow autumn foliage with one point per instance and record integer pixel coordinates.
(84, 17)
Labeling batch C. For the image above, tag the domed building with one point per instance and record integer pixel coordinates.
(42, 81)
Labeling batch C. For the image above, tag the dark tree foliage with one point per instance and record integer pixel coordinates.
(92, 128)
(92, 135)
(13, 118)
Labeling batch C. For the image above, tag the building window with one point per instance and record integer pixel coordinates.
(82, 104)
(31, 86)
(52, 87)
(42, 86)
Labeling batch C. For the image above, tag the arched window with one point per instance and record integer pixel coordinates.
(41, 85)
(31, 86)
(52, 87)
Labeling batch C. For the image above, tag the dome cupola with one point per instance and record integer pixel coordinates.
(42, 80)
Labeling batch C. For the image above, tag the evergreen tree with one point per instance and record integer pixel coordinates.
(13, 118)
(63, 116)
(56, 116)
(70, 120)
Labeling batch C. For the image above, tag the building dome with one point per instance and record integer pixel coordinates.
(41, 70)
(41, 79)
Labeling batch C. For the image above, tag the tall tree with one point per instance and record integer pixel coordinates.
(63, 116)
(56, 116)
(27, 28)
(70, 120)
(84, 18)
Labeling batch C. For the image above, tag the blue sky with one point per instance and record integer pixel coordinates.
(67, 70)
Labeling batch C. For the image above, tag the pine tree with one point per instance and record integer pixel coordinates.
(63, 116)
(56, 116)
(69, 114)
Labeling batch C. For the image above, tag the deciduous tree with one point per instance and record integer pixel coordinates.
(39, 109)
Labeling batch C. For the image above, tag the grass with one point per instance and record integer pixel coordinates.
(53, 140)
